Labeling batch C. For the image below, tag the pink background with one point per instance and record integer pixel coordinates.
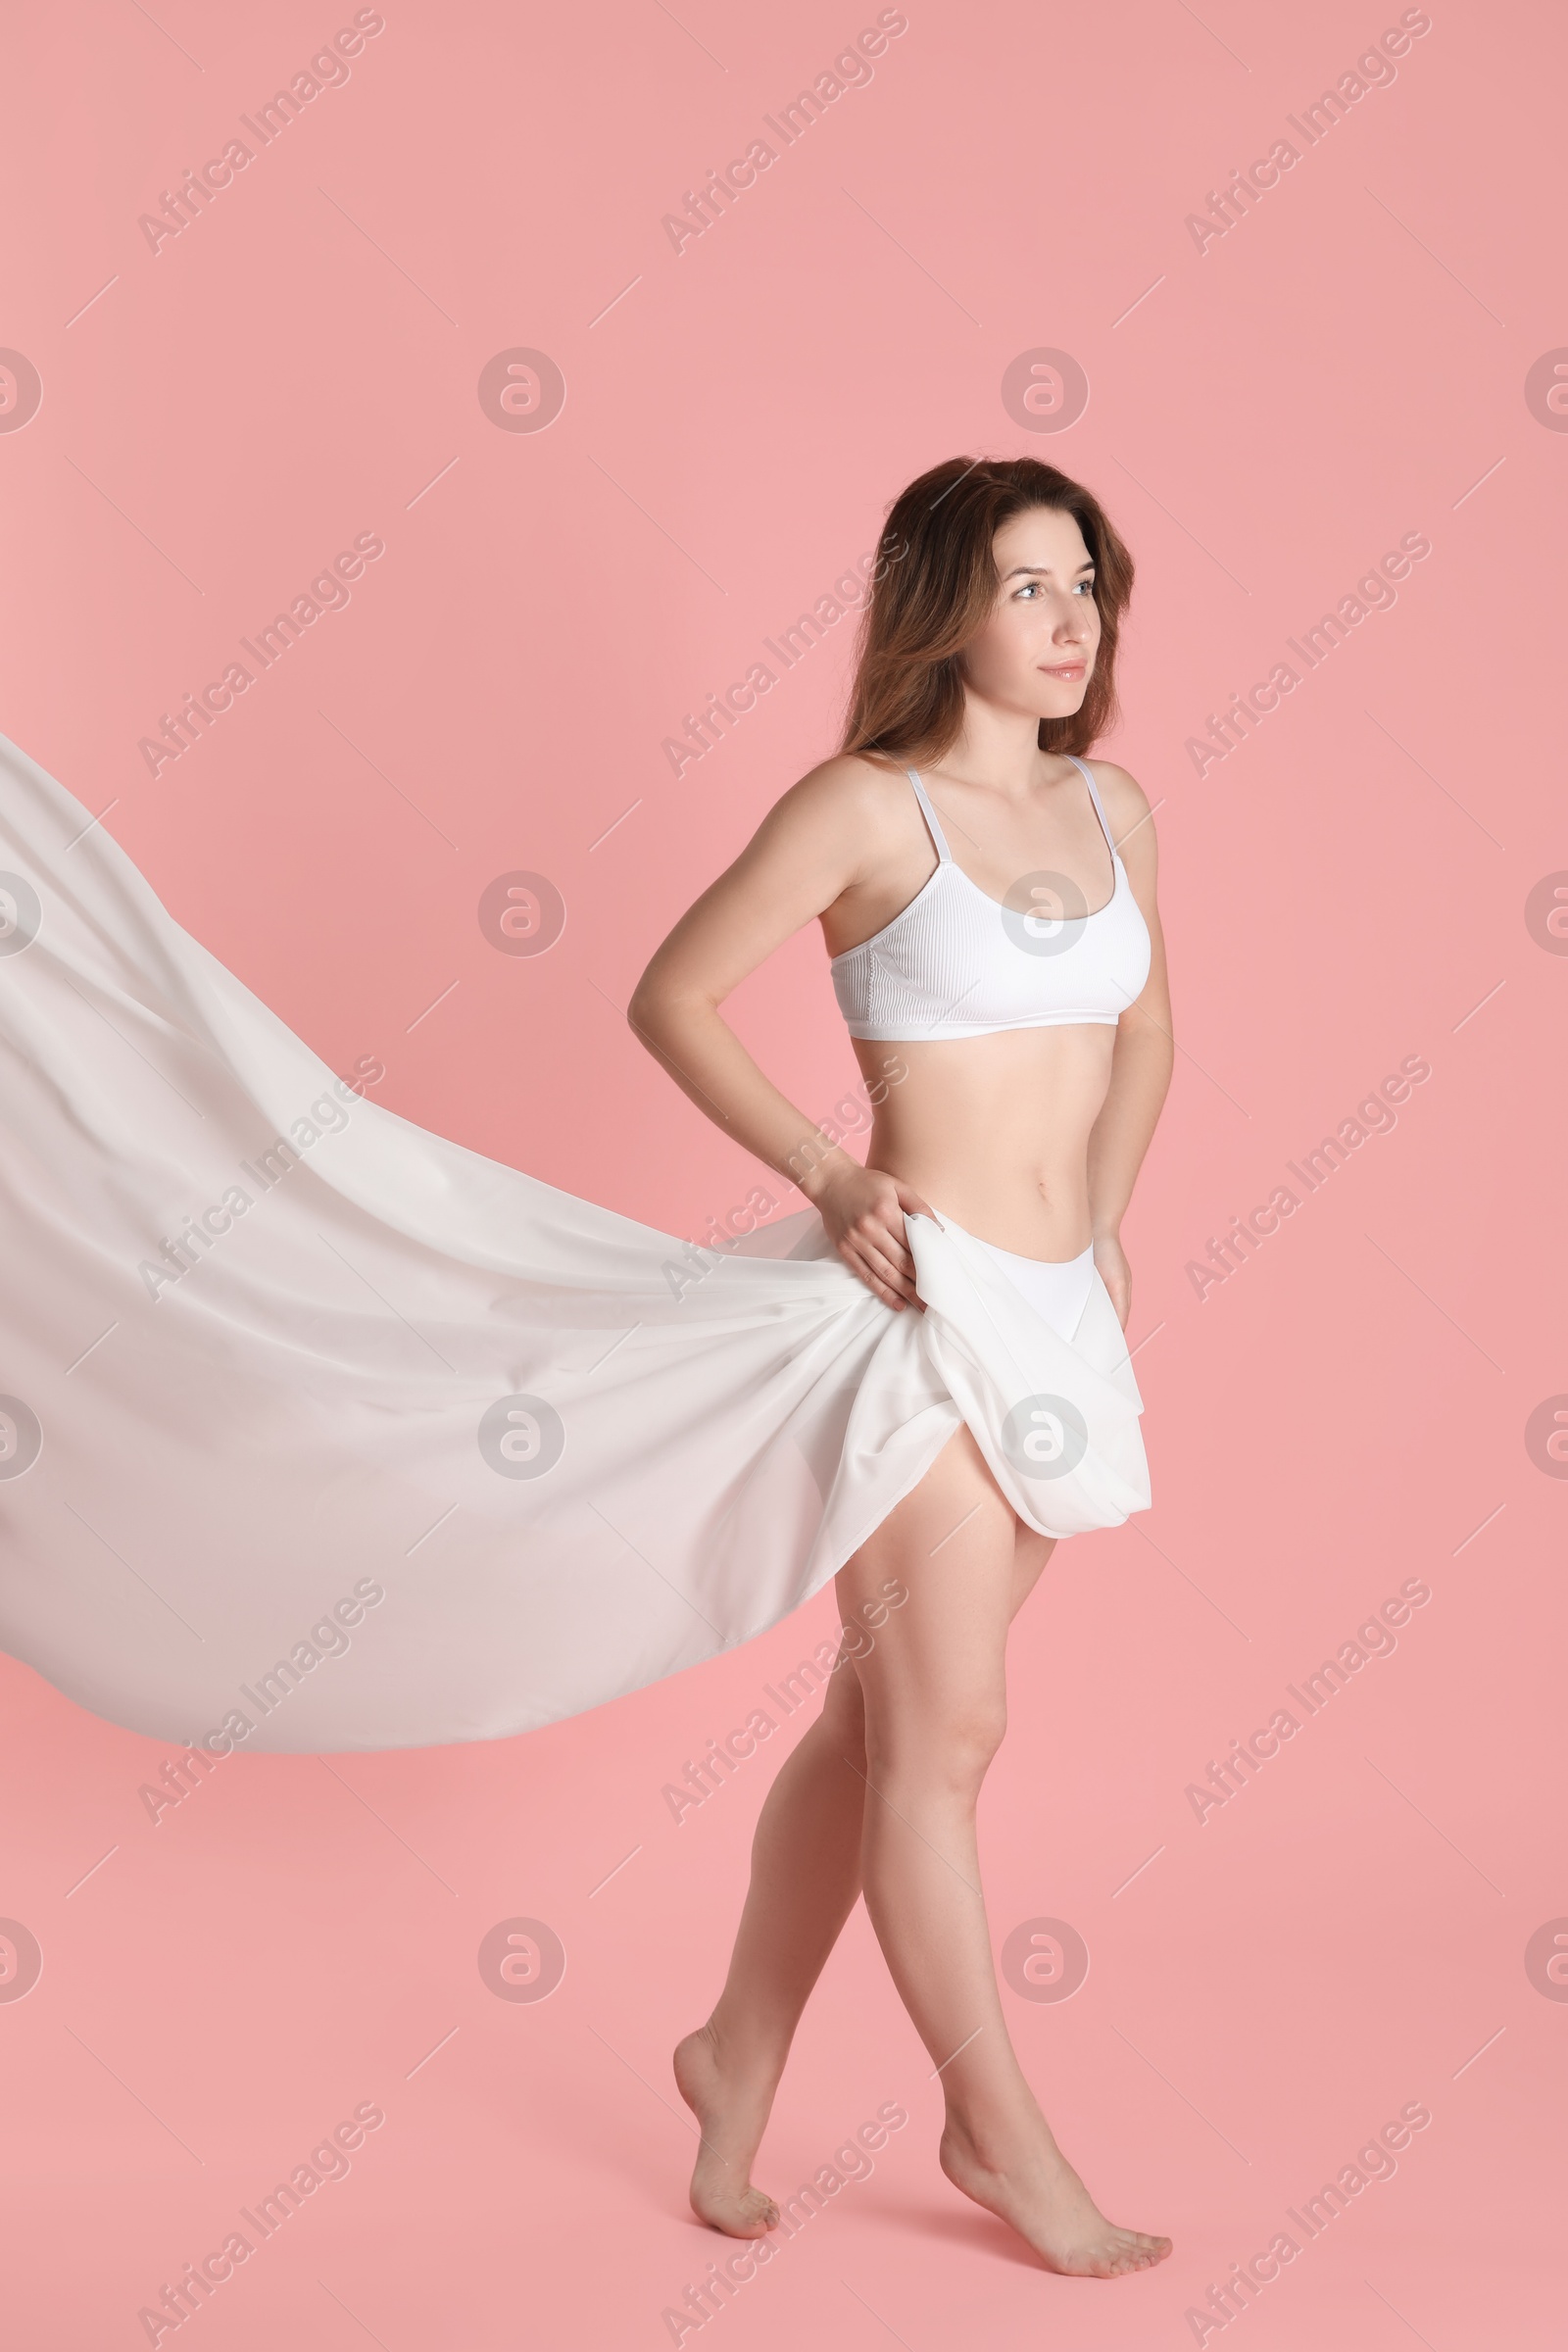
(1347, 364)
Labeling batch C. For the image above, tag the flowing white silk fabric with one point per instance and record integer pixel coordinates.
(373, 1442)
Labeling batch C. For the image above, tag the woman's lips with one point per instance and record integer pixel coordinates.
(1066, 670)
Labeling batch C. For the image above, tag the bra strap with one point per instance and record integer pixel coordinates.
(1098, 811)
(938, 837)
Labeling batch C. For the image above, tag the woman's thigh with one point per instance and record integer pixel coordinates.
(1030, 1553)
(954, 1552)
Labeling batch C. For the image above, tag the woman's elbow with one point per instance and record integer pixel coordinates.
(642, 1010)
(659, 1010)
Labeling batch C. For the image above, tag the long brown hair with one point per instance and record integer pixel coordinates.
(935, 584)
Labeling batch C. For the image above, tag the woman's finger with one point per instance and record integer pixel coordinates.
(880, 1264)
(878, 1289)
(877, 1231)
(892, 1246)
(879, 1275)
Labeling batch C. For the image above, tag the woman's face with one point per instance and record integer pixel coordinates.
(1036, 653)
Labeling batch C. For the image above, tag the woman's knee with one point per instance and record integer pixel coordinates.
(949, 1745)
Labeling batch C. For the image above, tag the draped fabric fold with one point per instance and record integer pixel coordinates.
(319, 1432)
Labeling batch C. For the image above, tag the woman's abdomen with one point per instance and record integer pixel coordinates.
(994, 1131)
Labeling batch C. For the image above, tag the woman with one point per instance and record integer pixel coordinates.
(1020, 975)
(323, 1432)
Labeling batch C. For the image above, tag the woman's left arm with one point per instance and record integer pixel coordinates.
(1144, 1050)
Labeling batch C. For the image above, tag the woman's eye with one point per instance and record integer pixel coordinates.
(1087, 586)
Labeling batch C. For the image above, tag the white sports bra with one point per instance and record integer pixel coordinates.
(957, 963)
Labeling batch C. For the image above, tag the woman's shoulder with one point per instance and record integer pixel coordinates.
(1128, 816)
(1120, 792)
(1124, 801)
(847, 792)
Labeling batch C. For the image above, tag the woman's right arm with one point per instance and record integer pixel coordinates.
(810, 849)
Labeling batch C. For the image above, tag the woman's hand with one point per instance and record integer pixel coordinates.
(1111, 1260)
(864, 1211)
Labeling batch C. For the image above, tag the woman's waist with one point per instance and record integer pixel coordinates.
(1028, 1117)
(1034, 1203)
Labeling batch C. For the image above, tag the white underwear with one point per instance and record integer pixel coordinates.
(1056, 1288)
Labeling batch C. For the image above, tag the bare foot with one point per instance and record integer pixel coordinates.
(731, 2119)
(1045, 2202)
